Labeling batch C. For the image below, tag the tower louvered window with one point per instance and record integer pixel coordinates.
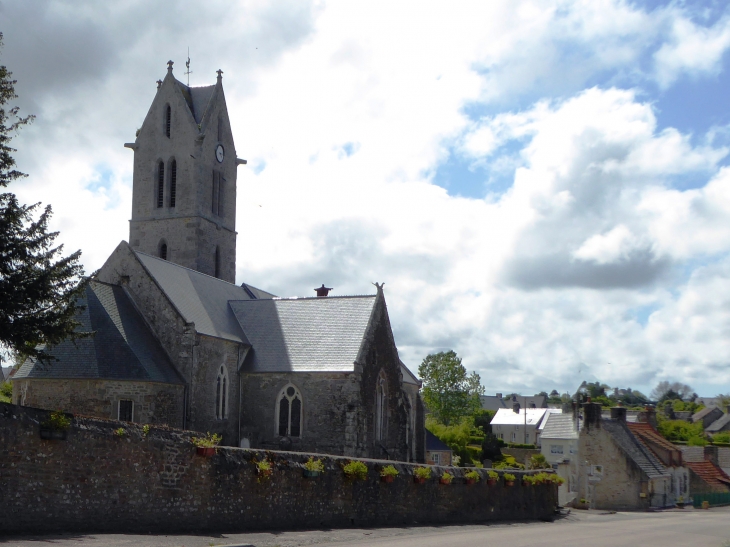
(173, 182)
(160, 184)
(221, 394)
(168, 117)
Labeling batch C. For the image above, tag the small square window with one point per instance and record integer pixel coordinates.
(125, 410)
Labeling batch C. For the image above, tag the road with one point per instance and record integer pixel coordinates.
(693, 528)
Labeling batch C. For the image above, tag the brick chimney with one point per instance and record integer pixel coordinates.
(591, 415)
(647, 416)
(322, 291)
(618, 413)
(516, 407)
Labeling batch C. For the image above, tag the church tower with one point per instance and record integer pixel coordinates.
(184, 184)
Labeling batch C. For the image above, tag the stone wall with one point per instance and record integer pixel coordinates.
(154, 403)
(96, 481)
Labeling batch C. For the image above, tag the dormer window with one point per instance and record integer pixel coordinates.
(168, 118)
(160, 184)
(173, 182)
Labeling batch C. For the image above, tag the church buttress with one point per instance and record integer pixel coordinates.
(184, 182)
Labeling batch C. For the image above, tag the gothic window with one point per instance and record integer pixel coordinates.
(221, 394)
(168, 117)
(289, 412)
(160, 184)
(381, 408)
(173, 182)
(163, 250)
(126, 410)
(217, 259)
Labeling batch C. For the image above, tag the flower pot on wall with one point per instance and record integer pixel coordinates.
(509, 483)
(470, 481)
(419, 480)
(205, 451)
(387, 478)
(491, 482)
(444, 481)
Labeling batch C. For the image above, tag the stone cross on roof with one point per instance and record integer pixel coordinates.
(220, 74)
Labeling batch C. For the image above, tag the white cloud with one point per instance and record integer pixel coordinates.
(346, 109)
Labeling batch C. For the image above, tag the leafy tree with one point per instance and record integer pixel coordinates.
(539, 461)
(448, 391)
(38, 285)
(671, 390)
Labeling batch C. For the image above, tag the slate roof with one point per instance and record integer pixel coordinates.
(434, 444)
(124, 348)
(633, 448)
(197, 98)
(719, 424)
(559, 426)
(697, 416)
(304, 334)
(200, 298)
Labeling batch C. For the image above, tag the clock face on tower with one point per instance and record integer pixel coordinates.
(219, 153)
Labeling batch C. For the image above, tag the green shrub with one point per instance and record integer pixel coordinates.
(697, 441)
(356, 470)
(209, 441)
(145, 430)
(492, 474)
(57, 421)
(389, 471)
(313, 464)
(538, 461)
(422, 472)
(509, 477)
(6, 392)
(120, 432)
(723, 437)
(447, 477)
(472, 475)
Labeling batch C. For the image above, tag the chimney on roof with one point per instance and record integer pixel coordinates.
(516, 407)
(499, 395)
(618, 413)
(323, 291)
(711, 455)
(648, 416)
(591, 415)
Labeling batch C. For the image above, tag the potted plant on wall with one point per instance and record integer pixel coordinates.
(355, 470)
(56, 426)
(206, 446)
(509, 479)
(493, 477)
(471, 477)
(313, 468)
(529, 480)
(421, 474)
(264, 470)
(446, 478)
(388, 473)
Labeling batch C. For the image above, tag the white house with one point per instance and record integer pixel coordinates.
(560, 448)
(520, 425)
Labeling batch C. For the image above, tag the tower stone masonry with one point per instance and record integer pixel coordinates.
(184, 182)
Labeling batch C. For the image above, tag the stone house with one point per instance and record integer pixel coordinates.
(192, 349)
(437, 452)
(618, 471)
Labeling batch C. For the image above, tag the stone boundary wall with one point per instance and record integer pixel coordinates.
(97, 481)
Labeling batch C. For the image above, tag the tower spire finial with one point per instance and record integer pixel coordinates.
(169, 67)
(188, 72)
(220, 74)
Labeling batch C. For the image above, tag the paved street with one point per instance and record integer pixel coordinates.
(580, 528)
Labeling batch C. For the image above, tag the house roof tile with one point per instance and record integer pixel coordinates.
(434, 444)
(719, 425)
(123, 348)
(304, 334)
(710, 473)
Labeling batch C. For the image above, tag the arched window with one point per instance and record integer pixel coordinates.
(163, 250)
(168, 118)
(160, 184)
(173, 182)
(381, 408)
(221, 394)
(289, 412)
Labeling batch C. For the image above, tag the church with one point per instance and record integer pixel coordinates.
(177, 342)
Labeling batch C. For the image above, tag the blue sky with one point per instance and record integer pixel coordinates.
(541, 185)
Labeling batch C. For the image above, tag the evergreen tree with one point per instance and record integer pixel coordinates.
(39, 287)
